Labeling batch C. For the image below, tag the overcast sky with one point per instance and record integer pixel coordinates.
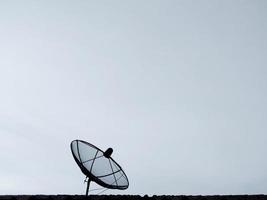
(177, 88)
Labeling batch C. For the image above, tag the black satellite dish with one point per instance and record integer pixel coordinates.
(98, 166)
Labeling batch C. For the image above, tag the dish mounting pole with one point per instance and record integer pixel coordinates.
(88, 185)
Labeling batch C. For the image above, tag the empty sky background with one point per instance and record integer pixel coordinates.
(177, 88)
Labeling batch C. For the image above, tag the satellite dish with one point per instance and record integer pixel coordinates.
(98, 166)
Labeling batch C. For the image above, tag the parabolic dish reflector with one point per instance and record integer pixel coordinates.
(98, 166)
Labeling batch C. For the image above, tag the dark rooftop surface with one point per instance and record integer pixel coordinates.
(131, 197)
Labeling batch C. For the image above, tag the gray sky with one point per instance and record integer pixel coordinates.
(177, 88)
